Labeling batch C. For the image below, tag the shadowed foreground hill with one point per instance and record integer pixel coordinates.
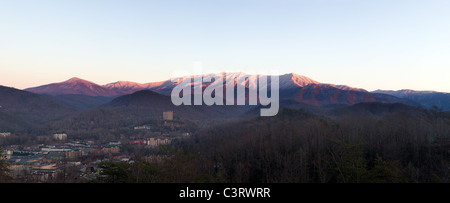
(298, 146)
(9, 123)
(377, 109)
(139, 108)
(32, 108)
(149, 103)
(82, 102)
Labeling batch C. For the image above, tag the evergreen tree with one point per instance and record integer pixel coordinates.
(4, 170)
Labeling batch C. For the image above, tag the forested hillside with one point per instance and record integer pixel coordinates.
(298, 146)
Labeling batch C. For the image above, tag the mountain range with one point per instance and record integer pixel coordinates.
(293, 88)
(77, 103)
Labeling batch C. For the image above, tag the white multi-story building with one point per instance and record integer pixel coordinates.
(5, 134)
(61, 136)
(157, 141)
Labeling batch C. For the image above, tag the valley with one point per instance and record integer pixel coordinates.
(319, 130)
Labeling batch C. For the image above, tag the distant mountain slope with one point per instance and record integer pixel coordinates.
(326, 94)
(286, 81)
(125, 87)
(33, 108)
(74, 86)
(426, 98)
(294, 87)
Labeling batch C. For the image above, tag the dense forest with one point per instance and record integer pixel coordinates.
(301, 147)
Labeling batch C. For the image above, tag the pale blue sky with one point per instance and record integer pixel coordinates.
(376, 44)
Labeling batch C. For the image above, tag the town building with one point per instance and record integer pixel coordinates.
(60, 136)
(114, 142)
(142, 127)
(55, 149)
(168, 115)
(111, 149)
(157, 141)
(74, 153)
(5, 134)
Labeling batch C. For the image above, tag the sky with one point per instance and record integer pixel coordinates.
(370, 44)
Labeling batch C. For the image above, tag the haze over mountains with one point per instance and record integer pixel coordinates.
(426, 98)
